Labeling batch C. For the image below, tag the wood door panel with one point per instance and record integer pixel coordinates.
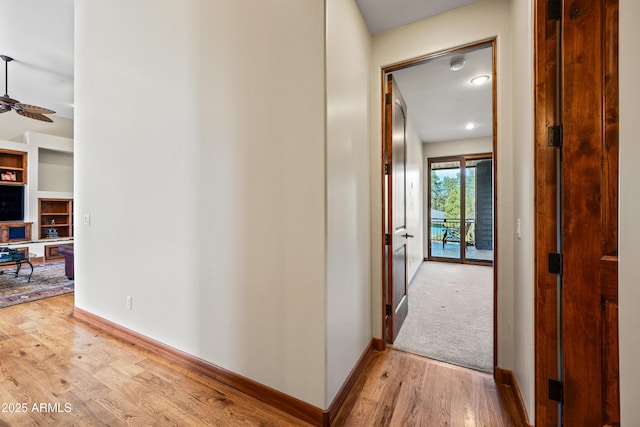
(610, 155)
(609, 230)
(546, 211)
(581, 195)
(400, 301)
(610, 342)
(589, 213)
(395, 123)
(546, 367)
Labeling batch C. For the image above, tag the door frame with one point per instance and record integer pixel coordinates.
(384, 208)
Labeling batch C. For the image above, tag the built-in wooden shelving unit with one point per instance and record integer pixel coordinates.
(55, 218)
(13, 167)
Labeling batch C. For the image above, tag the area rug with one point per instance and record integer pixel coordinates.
(47, 281)
(451, 315)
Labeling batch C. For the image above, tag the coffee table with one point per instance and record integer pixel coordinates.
(17, 259)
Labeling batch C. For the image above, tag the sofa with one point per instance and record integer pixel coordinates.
(67, 252)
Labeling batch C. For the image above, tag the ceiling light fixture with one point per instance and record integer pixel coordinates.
(457, 63)
(470, 126)
(480, 80)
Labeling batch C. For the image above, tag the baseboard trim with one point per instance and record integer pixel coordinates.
(379, 344)
(510, 392)
(331, 413)
(277, 399)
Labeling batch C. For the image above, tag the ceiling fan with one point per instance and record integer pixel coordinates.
(7, 103)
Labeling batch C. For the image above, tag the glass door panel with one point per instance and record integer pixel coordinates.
(479, 210)
(444, 227)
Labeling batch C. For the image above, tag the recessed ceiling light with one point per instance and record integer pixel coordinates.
(480, 80)
(457, 63)
(470, 126)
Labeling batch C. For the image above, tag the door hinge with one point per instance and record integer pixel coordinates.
(554, 10)
(387, 239)
(554, 136)
(556, 392)
(387, 310)
(387, 168)
(555, 263)
(387, 98)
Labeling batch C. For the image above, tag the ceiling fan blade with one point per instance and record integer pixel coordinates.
(34, 109)
(7, 101)
(35, 116)
(5, 104)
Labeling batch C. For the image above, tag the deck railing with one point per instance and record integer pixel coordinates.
(439, 227)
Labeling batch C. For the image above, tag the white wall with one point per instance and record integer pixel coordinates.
(523, 203)
(348, 192)
(629, 296)
(55, 170)
(482, 20)
(200, 142)
(15, 126)
(458, 148)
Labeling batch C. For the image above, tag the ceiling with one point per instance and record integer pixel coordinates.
(385, 15)
(441, 102)
(38, 35)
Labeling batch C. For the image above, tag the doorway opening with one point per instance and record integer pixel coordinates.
(461, 229)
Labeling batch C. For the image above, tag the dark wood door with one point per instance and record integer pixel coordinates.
(396, 213)
(588, 215)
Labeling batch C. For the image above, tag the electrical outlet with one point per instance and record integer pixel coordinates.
(129, 301)
(87, 219)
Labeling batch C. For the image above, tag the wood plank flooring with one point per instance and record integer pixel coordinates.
(402, 389)
(84, 377)
(56, 370)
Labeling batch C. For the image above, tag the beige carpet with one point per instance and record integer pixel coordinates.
(451, 315)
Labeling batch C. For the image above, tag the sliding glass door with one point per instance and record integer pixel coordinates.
(460, 214)
(445, 209)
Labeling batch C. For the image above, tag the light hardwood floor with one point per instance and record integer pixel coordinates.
(402, 389)
(76, 375)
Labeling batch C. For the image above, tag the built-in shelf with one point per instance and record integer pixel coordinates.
(13, 167)
(55, 218)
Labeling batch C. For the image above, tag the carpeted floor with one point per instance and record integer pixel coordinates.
(47, 281)
(451, 315)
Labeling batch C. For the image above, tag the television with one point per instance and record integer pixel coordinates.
(11, 202)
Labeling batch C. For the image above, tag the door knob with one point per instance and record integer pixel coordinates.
(407, 235)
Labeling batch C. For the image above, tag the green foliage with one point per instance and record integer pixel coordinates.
(452, 205)
(445, 194)
(470, 190)
(438, 196)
